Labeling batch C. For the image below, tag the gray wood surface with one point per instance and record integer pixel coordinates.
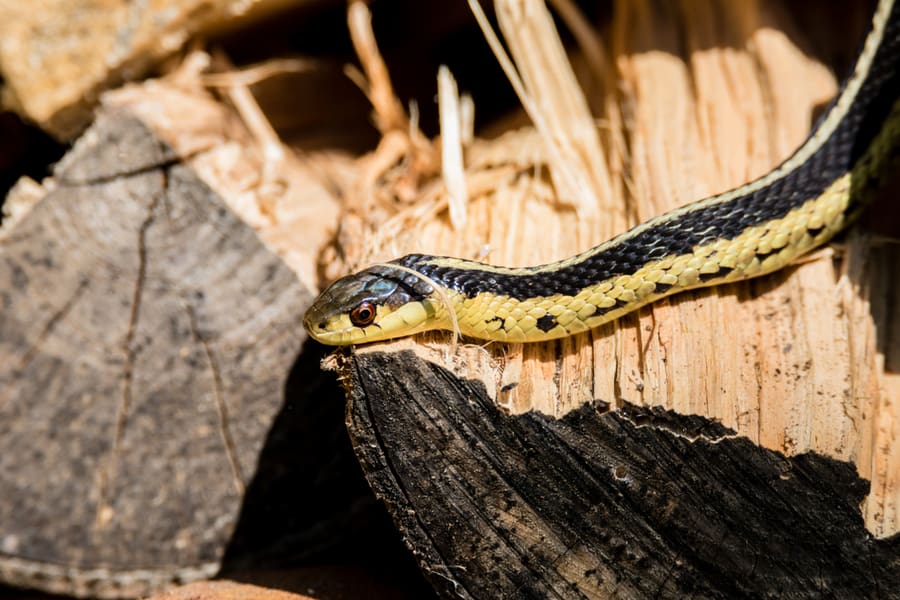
(145, 338)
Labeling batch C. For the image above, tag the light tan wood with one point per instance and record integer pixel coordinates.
(58, 56)
(793, 361)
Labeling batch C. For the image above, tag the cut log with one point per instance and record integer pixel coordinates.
(718, 443)
(137, 217)
(630, 503)
(146, 334)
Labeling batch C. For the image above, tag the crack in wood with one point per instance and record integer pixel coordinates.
(106, 475)
(692, 428)
(54, 319)
(163, 165)
(638, 382)
(617, 399)
(221, 407)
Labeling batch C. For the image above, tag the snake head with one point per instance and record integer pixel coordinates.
(378, 303)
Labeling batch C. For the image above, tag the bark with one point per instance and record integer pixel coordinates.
(632, 503)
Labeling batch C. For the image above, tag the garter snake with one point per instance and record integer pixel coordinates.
(749, 231)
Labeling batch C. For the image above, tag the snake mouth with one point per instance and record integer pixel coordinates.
(332, 327)
(319, 330)
(324, 325)
(314, 321)
(314, 324)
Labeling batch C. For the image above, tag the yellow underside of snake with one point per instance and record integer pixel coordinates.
(756, 251)
(750, 231)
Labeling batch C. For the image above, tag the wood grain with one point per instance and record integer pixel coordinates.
(696, 98)
(145, 338)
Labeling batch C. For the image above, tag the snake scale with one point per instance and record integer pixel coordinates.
(752, 230)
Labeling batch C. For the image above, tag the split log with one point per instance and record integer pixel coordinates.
(716, 444)
(156, 424)
(153, 429)
(630, 503)
(146, 334)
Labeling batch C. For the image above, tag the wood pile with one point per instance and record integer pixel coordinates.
(164, 419)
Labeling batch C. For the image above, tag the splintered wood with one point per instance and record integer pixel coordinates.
(687, 108)
(57, 56)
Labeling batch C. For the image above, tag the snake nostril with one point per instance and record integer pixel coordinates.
(322, 324)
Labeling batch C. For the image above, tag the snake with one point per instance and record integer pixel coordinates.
(755, 229)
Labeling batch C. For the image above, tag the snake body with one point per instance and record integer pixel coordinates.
(752, 230)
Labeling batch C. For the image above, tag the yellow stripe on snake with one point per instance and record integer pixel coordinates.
(755, 229)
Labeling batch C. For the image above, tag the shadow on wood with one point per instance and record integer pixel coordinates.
(632, 503)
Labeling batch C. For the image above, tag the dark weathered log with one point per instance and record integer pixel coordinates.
(145, 338)
(632, 503)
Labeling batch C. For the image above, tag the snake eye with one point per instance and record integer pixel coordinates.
(363, 314)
